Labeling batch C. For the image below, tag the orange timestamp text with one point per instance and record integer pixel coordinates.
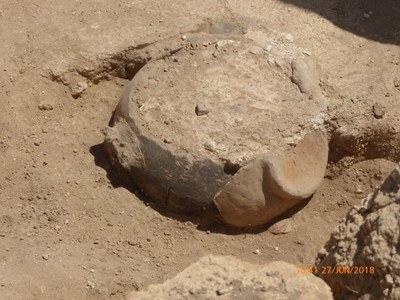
(330, 270)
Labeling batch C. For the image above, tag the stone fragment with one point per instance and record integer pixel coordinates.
(222, 277)
(167, 141)
(378, 110)
(282, 227)
(305, 75)
(201, 109)
(365, 245)
(45, 106)
(396, 83)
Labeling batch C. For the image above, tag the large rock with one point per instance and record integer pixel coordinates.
(366, 242)
(215, 277)
(211, 107)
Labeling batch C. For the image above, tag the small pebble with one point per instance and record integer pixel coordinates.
(46, 256)
(378, 110)
(45, 106)
(210, 146)
(289, 37)
(192, 291)
(201, 109)
(257, 252)
(282, 227)
(389, 279)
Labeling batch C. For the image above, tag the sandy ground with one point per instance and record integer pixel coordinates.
(68, 227)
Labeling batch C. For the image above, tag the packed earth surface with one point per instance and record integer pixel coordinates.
(74, 226)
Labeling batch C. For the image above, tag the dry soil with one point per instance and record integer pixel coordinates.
(69, 227)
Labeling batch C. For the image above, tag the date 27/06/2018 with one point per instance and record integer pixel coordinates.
(336, 270)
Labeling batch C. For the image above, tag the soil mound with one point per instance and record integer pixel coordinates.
(365, 245)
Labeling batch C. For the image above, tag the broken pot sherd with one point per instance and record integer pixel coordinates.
(272, 184)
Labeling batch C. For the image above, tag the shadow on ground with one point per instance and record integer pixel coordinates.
(377, 20)
(208, 221)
